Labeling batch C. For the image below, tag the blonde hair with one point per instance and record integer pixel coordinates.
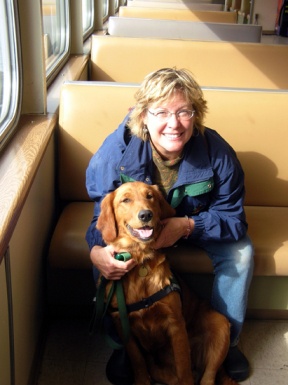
(160, 86)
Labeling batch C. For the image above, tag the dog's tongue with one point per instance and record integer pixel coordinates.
(144, 232)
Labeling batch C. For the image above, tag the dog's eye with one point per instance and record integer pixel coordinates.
(126, 200)
(149, 196)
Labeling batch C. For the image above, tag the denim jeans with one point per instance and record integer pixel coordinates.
(233, 269)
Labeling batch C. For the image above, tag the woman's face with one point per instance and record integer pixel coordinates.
(169, 136)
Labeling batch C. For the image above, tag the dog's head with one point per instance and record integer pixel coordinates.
(134, 210)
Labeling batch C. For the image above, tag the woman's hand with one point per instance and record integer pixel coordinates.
(112, 269)
(173, 230)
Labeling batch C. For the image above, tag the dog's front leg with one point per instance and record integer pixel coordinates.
(138, 362)
(216, 337)
(181, 348)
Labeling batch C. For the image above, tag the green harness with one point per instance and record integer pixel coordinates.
(101, 306)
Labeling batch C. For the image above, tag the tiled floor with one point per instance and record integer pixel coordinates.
(73, 357)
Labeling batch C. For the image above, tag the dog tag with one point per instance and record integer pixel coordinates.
(143, 271)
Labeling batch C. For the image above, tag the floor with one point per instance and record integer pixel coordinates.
(73, 357)
(274, 39)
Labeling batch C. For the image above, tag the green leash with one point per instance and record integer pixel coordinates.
(101, 306)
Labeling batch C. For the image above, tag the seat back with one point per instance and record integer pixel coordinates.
(176, 5)
(214, 64)
(178, 14)
(253, 122)
(179, 29)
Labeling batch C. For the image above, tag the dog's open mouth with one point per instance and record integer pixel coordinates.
(144, 233)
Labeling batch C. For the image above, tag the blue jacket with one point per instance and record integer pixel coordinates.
(209, 188)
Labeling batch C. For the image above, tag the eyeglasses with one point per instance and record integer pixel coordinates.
(164, 115)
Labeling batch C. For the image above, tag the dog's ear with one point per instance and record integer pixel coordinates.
(106, 221)
(167, 210)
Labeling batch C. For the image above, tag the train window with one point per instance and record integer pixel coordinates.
(56, 30)
(10, 69)
(87, 16)
(105, 9)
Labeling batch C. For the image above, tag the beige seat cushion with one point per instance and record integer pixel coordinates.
(69, 249)
(271, 247)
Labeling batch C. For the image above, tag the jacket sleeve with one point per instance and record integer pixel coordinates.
(224, 219)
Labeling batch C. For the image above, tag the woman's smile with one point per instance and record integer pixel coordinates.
(172, 136)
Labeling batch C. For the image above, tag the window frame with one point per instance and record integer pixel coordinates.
(91, 16)
(53, 67)
(105, 7)
(116, 5)
(15, 78)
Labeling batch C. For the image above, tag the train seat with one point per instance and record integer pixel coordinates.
(176, 5)
(178, 14)
(252, 121)
(180, 29)
(213, 63)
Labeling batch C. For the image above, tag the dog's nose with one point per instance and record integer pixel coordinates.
(145, 215)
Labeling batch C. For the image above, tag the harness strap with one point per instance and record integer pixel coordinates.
(123, 311)
(100, 309)
(101, 306)
(145, 303)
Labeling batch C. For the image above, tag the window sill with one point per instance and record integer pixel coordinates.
(22, 156)
(19, 164)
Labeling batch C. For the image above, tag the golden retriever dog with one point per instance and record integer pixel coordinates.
(177, 339)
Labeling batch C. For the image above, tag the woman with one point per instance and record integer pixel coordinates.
(163, 141)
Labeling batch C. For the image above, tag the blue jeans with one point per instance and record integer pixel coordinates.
(233, 269)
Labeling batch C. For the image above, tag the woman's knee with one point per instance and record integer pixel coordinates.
(234, 258)
(246, 252)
